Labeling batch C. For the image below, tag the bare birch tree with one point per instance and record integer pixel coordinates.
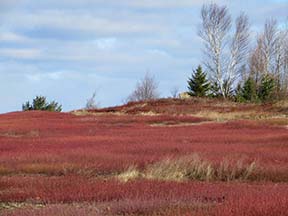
(225, 54)
(270, 55)
(257, 62)
(285, 65)
(239, 49)
(270, 38)
(215, 26)
(282, 59)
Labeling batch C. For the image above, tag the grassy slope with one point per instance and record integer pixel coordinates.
(164, 157)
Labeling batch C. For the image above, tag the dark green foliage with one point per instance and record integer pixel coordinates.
(267, 88)
(40, 103)
(248, 92)
(251, 93)
(198, 85)
(27, 106)
(215, 90)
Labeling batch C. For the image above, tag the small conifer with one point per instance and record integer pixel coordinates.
(198, 85)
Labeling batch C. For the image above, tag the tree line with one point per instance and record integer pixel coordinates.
(234, 67)
(238, 67)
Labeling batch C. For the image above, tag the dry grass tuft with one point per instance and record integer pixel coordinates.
(228, 171)
(180, 169)
(283, 104)
(166, 170)
(149, 113)
(10, 206)
(130, 174)
(193, 168)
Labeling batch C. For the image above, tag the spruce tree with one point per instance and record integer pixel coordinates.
(267, 88)
(198, 85)
(248, 92)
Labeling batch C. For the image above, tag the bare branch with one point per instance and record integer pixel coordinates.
(147, 89)
(174, 92)
(269, 44)
(91, 102)
(239, 48)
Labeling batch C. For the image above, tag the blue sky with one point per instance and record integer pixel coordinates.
(67, 49)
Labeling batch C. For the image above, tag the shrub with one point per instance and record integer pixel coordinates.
(40, 103)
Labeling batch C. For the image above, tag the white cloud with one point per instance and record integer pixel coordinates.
(36, 77)
(163, 3)
(20, 53)
(78, 21)
(121, 3)
(105, 43)
(158, 52)
(12, 37)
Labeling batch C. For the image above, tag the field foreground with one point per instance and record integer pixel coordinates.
(166, 157)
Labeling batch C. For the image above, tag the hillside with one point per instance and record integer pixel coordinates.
(163, 157)
(214, 109)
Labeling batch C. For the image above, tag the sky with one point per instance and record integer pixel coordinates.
(67, 49)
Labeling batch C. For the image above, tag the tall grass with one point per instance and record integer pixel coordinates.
(194, 168)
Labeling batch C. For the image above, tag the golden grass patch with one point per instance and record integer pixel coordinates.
(192, 168)
(222, 117)
(130, 174)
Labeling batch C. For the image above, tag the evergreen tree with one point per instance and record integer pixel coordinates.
(267, 88)
(27, 106)
(248, 92)
(198, 85)
(40, 103)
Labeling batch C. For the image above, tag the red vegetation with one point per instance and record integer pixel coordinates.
(144, 196)
(57, 159)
